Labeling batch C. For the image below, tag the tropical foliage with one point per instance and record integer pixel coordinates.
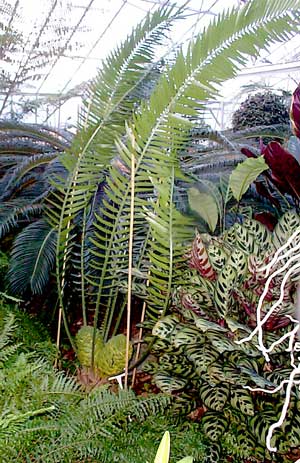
(49, 417)
(139, 160)
(28, 155)
(199, 359)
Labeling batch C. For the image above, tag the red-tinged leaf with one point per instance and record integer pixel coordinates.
(266, 218)
(263, 191)
(248, 153)
(285, 169)
(199, 259)
(295, 112)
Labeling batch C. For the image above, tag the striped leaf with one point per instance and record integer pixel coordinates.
(221, 343)
(223, 289)
(199, 259)
(201, 356)
(168, 384)
(241, 400)
(214, 425)
(215, 397)
(165, 326)
(285, 227)
(188, 335)
(217, 257)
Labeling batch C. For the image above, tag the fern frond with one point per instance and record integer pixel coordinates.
(6, 350)
(98, 419)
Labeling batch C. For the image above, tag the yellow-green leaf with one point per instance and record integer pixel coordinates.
(204, 205)
(244, 174)
(163, 452)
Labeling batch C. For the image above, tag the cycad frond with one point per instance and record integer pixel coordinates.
(13, 215)
(32, 258)
(14, 178)
(110, 103)
(13, 132)
(170, 233)
(162, 127)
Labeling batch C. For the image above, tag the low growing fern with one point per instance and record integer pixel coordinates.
(46, 416)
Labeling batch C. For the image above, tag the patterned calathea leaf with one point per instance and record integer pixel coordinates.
(235, 326)
(164, 327)
(201, 356)
(246, 442)
(260, 233)
(217, 256)
(245, 240)
(213, 453)
(285, 227)
(291, 429)
(254, 377)
(223, 290)
(217, 373)
(221, 343)
(169, 363)
(239, 237)
(214, 425)
(168, 384)
(247, 362)
(260, 424)
(250, 349)
(205, 325)
(198, 259)
(241, 400)
(188, 335)
(184, 404)
(278, 375)
(238, 260)
(162, 345)
(215, 397)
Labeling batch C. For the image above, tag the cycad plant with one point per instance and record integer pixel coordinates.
(28, 155)
(124, 162)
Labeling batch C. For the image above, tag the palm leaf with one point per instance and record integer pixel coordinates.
(17, 213)
(19, 174)
(32, 258)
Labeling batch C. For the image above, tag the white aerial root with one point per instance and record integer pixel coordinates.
(290, 267)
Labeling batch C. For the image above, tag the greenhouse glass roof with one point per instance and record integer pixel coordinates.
(56, 45)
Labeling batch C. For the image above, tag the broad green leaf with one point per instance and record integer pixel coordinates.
(205, 206)
(186, 460)
(163, 452)
(244, 174)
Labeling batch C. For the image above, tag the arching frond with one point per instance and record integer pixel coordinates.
(14, 177)
(32, 258)
(162, 127)
(16, 214)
